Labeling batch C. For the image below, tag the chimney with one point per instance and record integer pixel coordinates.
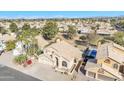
(98, 44)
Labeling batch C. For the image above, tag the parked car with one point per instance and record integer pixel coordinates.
(2, 46)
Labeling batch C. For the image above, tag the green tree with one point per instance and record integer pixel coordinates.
(93, 38)
(13, 27)
(26, 27)
(33, 47)
(95, 28)
(2, 30)
(50, 30)
(112, 22)
(119, 38)
(27, 37)
(24, 36)
(34, 31)
(83, 37)
(71, 32)
(10, 45)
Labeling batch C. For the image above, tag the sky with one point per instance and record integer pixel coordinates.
(59, 14)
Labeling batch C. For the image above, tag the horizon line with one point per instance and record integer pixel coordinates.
(58, 14)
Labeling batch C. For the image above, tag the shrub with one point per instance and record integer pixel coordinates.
(39, 52)
(10, 45)
(102, 41)
(109, 38)
(83, 37)
(20, 59)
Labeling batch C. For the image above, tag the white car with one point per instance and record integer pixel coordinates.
(2, 47)
(18, 49)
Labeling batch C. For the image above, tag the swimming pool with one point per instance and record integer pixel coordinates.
(91, 54)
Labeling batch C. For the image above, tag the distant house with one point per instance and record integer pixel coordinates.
(83, 30)
(106, 32)
(7, 37)
(110, 63)
(62, 56)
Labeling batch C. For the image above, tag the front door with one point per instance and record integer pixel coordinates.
(57, 61)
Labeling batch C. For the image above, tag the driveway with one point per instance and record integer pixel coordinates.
(37, 70)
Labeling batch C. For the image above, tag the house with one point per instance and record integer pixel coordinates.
(83, 31)
(106, 32)
(105, 29)
(7, 37)
(62, 56)
(110, 63)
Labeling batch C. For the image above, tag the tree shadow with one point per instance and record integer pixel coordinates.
(82, 70)
(65, 36)
(79, 42)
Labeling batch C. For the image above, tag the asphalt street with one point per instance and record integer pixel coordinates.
(9, 74)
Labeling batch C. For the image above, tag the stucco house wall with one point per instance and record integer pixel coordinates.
(61, 56)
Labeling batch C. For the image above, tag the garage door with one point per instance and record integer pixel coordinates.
(91, 74)
(102, 77)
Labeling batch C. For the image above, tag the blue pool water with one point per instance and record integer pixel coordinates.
(91, 53)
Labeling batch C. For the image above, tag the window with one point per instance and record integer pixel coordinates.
(64, 64)
(115, 66)
(121, 69)
(105, 78)
(51, 56)
(91, 74)
(101, 71)
(75, 61)
(57, 61)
